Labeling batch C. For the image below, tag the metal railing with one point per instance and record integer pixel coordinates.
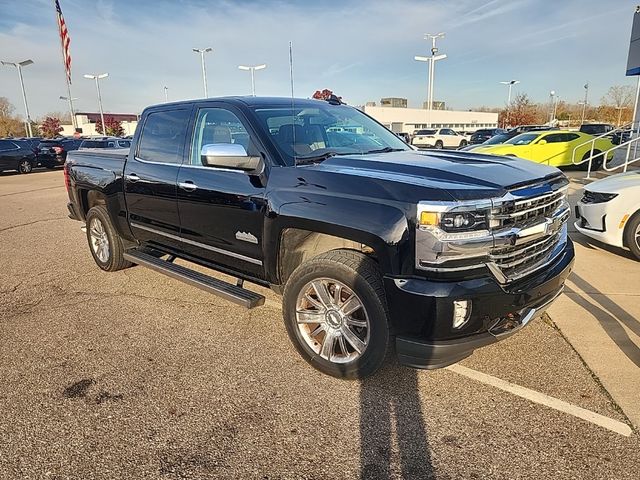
(629, 159)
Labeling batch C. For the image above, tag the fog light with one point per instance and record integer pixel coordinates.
(461, 313)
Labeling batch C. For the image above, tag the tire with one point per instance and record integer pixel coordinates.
(104, 242)
(463, 143)
(632, 235)
(360, 339)
(25, 166)
(439, 145)
(596, 163)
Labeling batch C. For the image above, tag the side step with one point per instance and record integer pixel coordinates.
(233, 293)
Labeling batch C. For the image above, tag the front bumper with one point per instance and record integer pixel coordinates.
(421, 312)
(595, 220)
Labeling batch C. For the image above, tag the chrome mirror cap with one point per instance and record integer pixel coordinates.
(231, 156)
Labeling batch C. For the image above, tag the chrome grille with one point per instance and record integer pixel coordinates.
(517, 256)
(519, 211)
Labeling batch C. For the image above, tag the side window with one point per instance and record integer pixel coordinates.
(554, 138)
(446, 131)
(218, 126)
(163, 136)
(7, 145)
(570, 137)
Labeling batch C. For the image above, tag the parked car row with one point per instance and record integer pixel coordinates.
(25, 154)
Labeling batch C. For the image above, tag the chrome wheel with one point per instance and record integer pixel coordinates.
(25, 166)
(332, 320)
(99, 240)
(637, 235)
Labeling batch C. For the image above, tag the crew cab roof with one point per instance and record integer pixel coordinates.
(248, 101)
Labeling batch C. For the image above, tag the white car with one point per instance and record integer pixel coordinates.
(609, 211)
(438, 138)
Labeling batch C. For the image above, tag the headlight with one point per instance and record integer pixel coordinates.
(597, 197)
(452, 222)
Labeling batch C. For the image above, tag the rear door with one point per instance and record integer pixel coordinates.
(8, 155)
(221, 210)
(449, 138)
(151, 174)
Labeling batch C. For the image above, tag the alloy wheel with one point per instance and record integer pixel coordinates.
(99, 240)
(332, 320)
(25, 166)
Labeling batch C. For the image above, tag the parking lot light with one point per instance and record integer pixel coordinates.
(19, 66)
(97, 78)
(252, 69)
(202, 51)
(431, 61)
(510, 83)
(73, 115)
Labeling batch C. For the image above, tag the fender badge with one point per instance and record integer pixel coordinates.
(246, 237)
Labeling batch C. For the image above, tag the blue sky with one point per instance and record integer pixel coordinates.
(363, 50)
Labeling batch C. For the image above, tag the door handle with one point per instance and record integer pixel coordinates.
(132, 177)
(187, 186)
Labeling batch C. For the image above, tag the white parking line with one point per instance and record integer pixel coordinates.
(542, 399)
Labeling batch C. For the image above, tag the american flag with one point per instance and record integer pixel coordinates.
(64, 38)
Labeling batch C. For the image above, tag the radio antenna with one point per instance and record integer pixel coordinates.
(293, 112)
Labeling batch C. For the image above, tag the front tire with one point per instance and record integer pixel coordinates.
(104, 242)
(25, 166)
(632, 235)
(335, 312)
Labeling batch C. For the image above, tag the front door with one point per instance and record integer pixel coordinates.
(221, 210)
(150, 177)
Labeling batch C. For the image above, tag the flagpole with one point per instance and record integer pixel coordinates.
(66, 77)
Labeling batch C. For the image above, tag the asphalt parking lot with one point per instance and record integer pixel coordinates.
(134, 375)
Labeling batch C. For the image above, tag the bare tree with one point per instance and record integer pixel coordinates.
(619, 96)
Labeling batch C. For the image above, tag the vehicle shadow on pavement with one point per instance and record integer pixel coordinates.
(390, 410)
(609, 314)
(593, 244)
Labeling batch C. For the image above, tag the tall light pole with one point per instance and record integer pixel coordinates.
(97, 78)
(73, 116)
(585, 102)
(166, 94)
(510, 83)
(252, 69)
(19, 66)
(202, 51)
(552, 95)
(431, 61)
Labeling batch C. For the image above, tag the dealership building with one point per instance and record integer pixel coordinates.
(86, 122)
(402, 119)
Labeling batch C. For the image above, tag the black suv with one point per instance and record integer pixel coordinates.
(16, 155)
(596, 128)
(484, 134)
(53, 152)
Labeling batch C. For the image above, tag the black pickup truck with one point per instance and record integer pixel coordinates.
(371, 244)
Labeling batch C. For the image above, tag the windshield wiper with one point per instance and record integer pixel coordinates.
(317, 158)
(385, 150)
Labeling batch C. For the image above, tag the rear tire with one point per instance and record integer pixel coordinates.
(25, 166)
(439, 145)
(632, 235)
(596, 163)
(105, 244)
(463, 143)
(335, 312)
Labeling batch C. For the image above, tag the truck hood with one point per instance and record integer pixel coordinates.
(464, 175)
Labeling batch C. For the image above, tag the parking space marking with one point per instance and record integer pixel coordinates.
(543, 399)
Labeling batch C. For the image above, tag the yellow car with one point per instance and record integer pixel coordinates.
(552, 147)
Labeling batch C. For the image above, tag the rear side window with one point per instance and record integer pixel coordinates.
(555, 138)
(7, 145)
(163, 136)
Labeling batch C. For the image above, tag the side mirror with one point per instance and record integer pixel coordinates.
(232, 156)
(542, 142)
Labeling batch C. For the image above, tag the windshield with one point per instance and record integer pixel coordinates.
(523, 139)
(497, 139)
(323, 130)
